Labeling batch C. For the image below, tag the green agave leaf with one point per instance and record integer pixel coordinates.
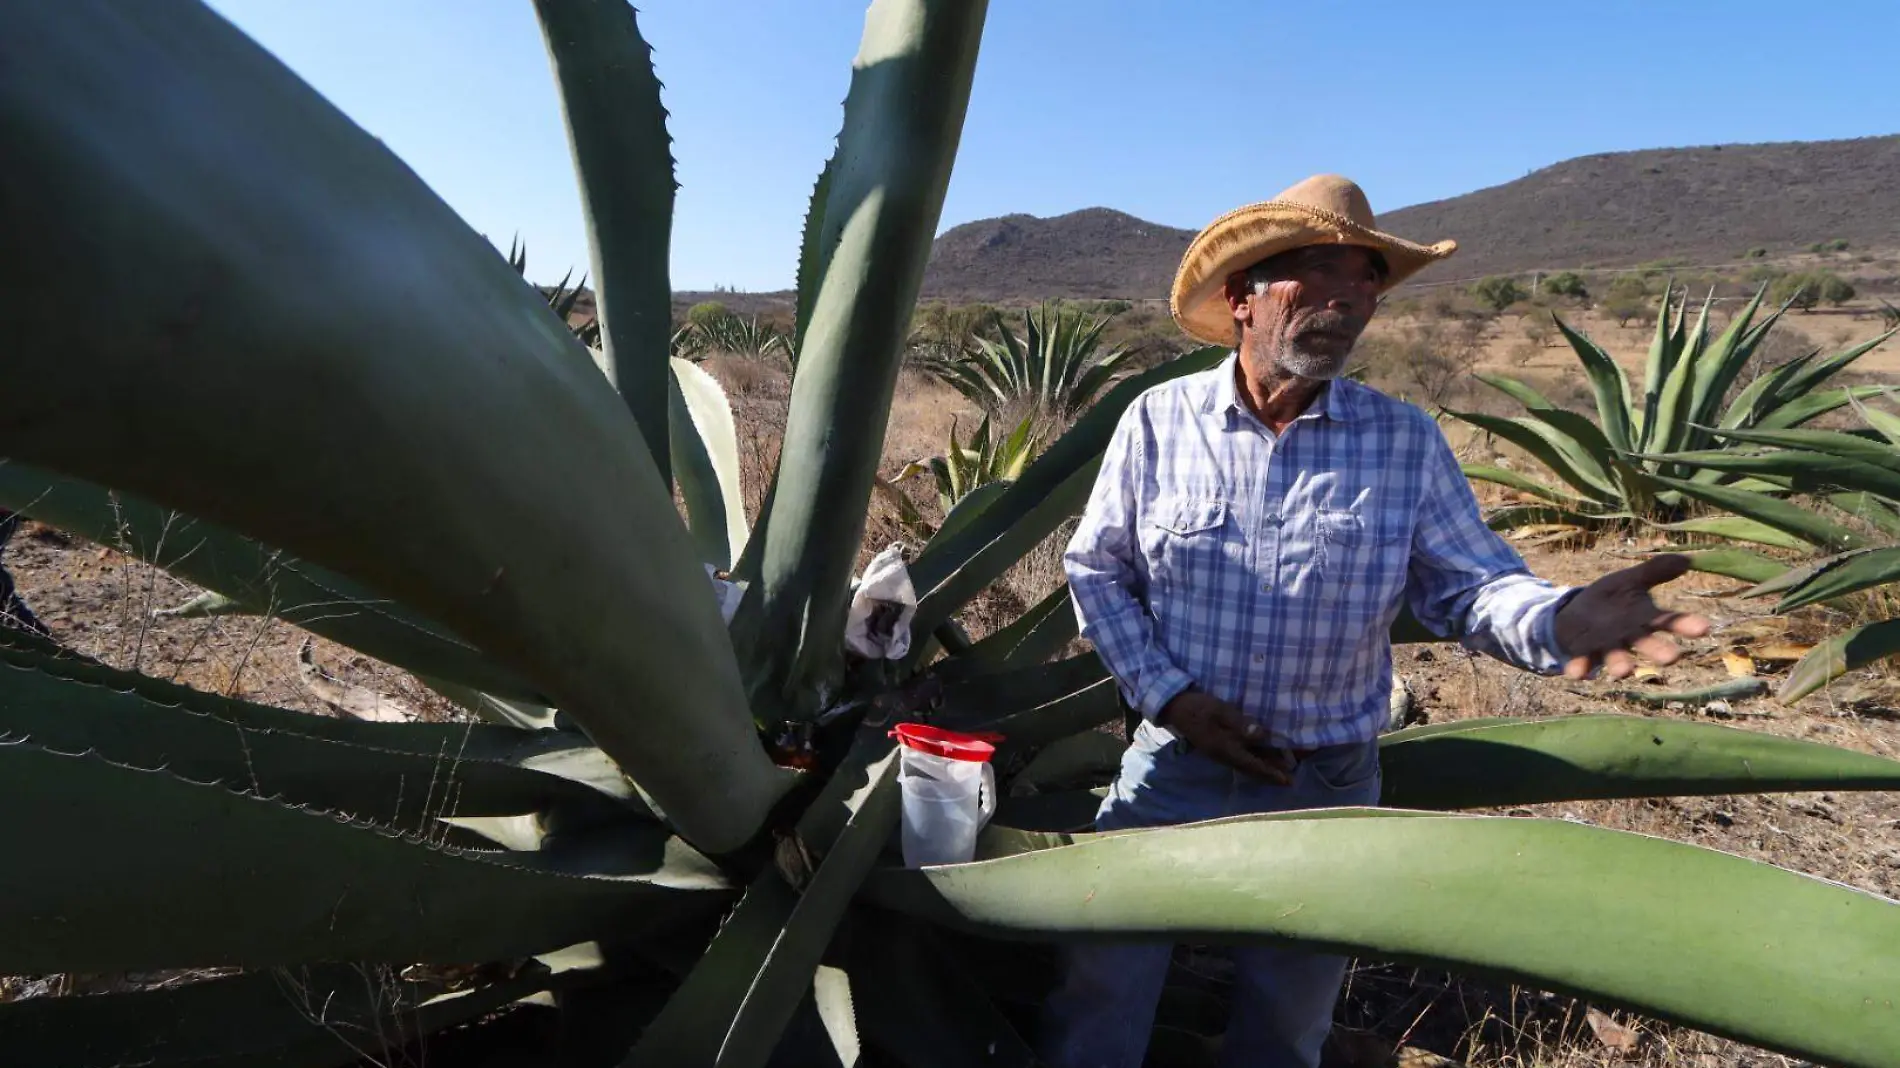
(1516, 389)
(1884, 422)
(1088, 755)
(1807, 472)
(1610, 385)
(1719, 366)
(290, 886)
(1514, 516)
(971, 694)
(1521, 483)
(1768, 511)
(971, 505)
(1594, 757)
(1053, 488)
(1790, 577)
(1475, 895)
(1656, 367)
(203, 381)
(1832, 442)
(1799, 410)
(1673, 404)
(921, 1007)
(491, 709)
(1721, 691)
(1735, 563)
(1550, 447)
(903, 118)
(316, 1017)
(706, 462)
(261, 581)
(735, 1003)
(814, 252)
(1804, 382)
(1031, 638)
(395, 787)
(1736, 528)
(1754, 399)
(616, 129)
(1838, 655)
(1869, 509)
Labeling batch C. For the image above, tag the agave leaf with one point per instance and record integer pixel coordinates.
(1869, 509)
(1838, 655)
(814, 252)
(616, 129)
(1883, 421)
(492, 709)
(332, 1014)
(205, 605)
(1790, 577)
(1726, 690)
(1831, 442)
(1477, 894)
(1737, 528)
(1550, 447)
(1735, 563)
(1718, 367)
(1086, 755)
(970, 506)
(706, 462)
(1768, 511)
(971, 695)
(395, 786)
(1610, 385)
(1804, 382)
(261, 581)
(1656, 368)
(203, 381)
(1086, 708)
(735, 1003)
(903, 117)
(921, 1007)
(1521, 483)
(1515, 389)
(1804, 407)
(1750, 403)
(1863, 570)
(1807, 472)
(1673, 404)
(1594, 757)
(1031, 638)
(291, 886)
(1527, 515)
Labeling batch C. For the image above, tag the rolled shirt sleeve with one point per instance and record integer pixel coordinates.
(1466, 581)
(1107, 576)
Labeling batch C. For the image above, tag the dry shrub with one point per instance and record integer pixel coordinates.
(1428, 362)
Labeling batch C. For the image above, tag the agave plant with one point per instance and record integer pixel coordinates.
(967, 477)
(1852, 484)
(672, 840)
(1608, 466)
(1056, 367)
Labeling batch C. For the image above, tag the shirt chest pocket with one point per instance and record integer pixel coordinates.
(1190, 543)
(1363, 557)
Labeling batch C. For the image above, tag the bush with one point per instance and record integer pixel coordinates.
(707, 313)
(1498, 292)
(1539, 329)
(1566, 284)
(1810, 288)
(1626, 308)
(1755, 254)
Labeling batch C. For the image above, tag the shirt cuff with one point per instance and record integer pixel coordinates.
(1158, 690)
(1554, 656)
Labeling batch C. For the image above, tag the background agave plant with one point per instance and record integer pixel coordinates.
(672, 843)
(1056, 368)
(967, 477)
(1609, 468)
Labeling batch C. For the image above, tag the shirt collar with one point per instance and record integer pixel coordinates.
(1335, 401)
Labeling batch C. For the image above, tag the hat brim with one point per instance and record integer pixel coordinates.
(1247, 235)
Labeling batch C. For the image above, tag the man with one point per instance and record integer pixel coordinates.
(1253, 533)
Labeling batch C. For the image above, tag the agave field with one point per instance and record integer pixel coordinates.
(664, 830)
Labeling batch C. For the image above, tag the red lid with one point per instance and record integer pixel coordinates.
(936, 741)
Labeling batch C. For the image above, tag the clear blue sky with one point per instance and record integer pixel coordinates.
(1172, 110)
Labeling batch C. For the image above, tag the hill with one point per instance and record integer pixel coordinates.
(1706, 205)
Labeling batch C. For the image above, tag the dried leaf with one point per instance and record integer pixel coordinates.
(1780, 652)
(1613, 1035)
(1739, 664)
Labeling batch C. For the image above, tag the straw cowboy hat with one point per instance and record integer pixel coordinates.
(1322, 210)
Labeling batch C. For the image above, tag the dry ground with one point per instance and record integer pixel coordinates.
(101, 603)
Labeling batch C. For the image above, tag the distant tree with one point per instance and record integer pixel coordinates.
(707, 314)
(1566, 284)
(1628, 299)
(1539, 329)
(1498, 292)
(1810, 288)
(1755, 254)
(1839, 244)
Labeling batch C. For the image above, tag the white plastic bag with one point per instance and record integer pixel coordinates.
(878, 626)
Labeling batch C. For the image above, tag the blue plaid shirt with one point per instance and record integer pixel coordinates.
(1269, 571)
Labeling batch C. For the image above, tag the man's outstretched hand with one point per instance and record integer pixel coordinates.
(1615, 616)
(1219, 730)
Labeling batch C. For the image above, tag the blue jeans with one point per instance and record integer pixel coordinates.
(1101, 1013)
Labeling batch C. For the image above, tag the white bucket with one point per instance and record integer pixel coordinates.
(949, 793)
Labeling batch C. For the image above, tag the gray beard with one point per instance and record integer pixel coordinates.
(1317, 367)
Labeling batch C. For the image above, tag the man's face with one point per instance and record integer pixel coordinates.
(1315, 304)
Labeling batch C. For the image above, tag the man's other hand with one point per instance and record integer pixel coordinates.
(1615, 616)
(1218, 729)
